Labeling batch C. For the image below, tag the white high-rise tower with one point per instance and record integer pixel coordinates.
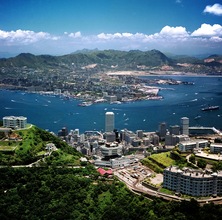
(109, 122)
(185, 125)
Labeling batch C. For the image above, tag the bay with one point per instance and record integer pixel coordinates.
(53, 113)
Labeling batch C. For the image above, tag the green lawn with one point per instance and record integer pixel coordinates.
(163, 158)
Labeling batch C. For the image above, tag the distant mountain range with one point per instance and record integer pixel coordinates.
(107, 60)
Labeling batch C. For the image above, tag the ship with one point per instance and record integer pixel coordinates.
(85, 104)
(210, 108)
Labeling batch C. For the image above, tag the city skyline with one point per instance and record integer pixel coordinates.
(61, 27)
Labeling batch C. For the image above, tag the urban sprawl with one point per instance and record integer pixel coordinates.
(121, 153)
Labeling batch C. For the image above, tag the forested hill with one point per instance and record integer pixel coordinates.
(114, 60)
(28, 147)
(106, 57)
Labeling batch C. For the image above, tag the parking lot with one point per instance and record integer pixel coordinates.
(137, 173)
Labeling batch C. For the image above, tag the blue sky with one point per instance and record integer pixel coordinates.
(64, 26)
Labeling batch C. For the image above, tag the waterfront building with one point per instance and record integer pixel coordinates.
(192, 182)
(172, 140)
(185, 146)
(63, 132)
(14, 122)
(175, 129)
(57, 91)
(111, 98)
(202, 131)
(162, 130)
(185, 126)
(139, 134)
(109, 121)
(76, 131)
(215, 148)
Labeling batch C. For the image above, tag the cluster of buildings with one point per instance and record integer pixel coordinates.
(111, 148)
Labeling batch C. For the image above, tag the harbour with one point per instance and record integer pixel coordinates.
(51, 112)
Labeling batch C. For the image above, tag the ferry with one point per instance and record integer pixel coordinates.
(210, 108)
(85, 104)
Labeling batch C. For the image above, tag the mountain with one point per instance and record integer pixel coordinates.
(114, 59)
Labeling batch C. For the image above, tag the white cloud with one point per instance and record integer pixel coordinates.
(25, 36)
(174, 31)
(75, 35)
(171, 39)
(216, 39)
(126, 35)
(208, 30)
(215, 9)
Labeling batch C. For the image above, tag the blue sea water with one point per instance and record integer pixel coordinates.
(53, 113)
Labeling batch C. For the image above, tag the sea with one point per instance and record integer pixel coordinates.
(53, 113)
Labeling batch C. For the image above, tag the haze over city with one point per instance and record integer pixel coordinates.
(59, 27)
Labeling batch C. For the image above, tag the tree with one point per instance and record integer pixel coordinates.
(201, 163)
(192, 159)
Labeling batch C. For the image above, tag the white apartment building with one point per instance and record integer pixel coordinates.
(14, 122)
(192, 182)
(185, 146)
(215, 148)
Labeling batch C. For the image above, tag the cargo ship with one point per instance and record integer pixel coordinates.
(210, 108)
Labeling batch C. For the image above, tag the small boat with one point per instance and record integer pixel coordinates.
(210, 108)
(197, 117)
(85, 104)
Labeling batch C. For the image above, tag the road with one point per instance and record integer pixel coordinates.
(135, 185)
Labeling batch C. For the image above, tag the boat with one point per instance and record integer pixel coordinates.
(197, 117)
(85, 104)
(210, 108)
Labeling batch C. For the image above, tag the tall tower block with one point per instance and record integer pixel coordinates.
(184, 125)
(109, 121)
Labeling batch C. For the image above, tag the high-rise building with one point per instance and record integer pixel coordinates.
(175, 129)
(184, 125)
(109, 121)
(162, 130)
(139, 134)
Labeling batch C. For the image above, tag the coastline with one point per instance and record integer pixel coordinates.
(159, 73)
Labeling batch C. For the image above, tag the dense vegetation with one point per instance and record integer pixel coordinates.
(61, 193)
(29, 146)
(123, 60)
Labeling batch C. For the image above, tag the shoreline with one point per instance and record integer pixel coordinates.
(159, 73)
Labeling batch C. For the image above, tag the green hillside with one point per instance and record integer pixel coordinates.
(77, 60)
(29, 145)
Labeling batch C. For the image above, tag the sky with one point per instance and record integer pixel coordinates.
(56, 27)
